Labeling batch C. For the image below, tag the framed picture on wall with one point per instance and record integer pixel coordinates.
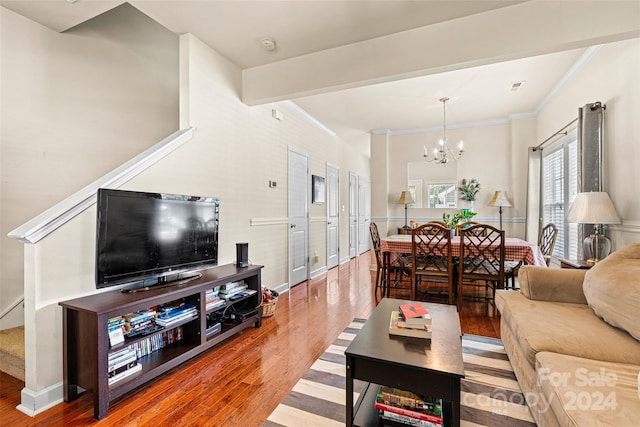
(317, 189)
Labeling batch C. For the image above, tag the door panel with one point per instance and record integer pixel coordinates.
(298, 217)
(364, 214)
(333, 216)
(353, 214)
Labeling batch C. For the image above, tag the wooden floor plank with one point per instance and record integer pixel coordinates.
(240, 381)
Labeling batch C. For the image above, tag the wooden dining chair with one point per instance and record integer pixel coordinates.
(397, 266)
(482, 259)
(466, 225)
(431, 257)
(546, 243)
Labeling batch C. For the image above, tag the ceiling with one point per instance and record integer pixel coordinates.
(299, 27)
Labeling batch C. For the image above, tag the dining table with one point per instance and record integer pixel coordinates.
(398, 245)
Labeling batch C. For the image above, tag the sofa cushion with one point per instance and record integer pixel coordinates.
(571, 329)
(584, 392)
(612, 289)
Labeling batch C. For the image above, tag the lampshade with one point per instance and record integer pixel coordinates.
(405, 198)
(500, 199)
(593, 208)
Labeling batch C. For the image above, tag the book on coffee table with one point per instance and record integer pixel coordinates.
(416, 332)
(414, 315)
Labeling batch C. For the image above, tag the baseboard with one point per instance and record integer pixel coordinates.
(282, 288)
(319, 272)
(33, 403)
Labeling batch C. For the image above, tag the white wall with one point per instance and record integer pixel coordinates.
(611, 77)
(488, 158)
(497, 155)
(74, 106)
(235, 151)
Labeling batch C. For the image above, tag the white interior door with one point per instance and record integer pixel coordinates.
(298, 217)
(353, 214)
(333, 216)
(364, 214)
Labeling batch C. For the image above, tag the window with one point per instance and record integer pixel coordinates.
(442, 195)
(559, 187)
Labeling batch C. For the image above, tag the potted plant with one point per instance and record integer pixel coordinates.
(451, 220)
(469, 190)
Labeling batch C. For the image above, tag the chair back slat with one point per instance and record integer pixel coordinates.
(375, 240)
(431, 255)
(547, 240)
(482, 253)
(467, 224)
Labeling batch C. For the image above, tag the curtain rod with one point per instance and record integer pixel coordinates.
(593, 106)
(560, 132)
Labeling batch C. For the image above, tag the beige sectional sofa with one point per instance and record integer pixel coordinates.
(573, 338)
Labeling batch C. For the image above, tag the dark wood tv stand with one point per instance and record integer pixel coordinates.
(86, 338)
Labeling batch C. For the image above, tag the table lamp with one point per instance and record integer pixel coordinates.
(405, 199)
(594, 208)
(501, 200)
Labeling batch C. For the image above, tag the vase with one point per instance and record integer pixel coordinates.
(471, 207)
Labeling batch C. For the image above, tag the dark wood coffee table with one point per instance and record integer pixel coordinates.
(427, 367)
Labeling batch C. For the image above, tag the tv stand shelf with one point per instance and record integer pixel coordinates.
(86, 338)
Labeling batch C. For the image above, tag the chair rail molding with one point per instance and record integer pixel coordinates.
(42, 225)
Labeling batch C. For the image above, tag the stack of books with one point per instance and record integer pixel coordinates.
(228, 290)
(138, 321)
(123, 363)
(213, 300)
(411, 320)
(173, 314)
(407, 408)
(116, 329)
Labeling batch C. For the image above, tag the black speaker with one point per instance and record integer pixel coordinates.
(242, 254)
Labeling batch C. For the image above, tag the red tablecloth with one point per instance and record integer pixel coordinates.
(514, 249)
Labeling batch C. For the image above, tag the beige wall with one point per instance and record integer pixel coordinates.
(497, 155)
(611, 77)
(234, 153)
(488, 158)
(74, 106)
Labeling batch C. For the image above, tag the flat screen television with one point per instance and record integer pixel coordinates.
(147, 239)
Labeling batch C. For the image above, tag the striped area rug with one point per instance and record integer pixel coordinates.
(490, 394)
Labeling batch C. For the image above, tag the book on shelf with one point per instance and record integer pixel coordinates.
(396, 329)
(126, 373)
(215, 304)
(168, 322)
(404, 420)
(120, 359)
(408, 404)
(414, 314)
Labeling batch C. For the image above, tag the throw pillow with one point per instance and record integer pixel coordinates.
(612, 289)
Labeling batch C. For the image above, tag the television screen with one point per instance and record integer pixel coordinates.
(146, 236)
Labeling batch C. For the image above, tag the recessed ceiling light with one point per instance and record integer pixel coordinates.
(268, 43)
(516, 86)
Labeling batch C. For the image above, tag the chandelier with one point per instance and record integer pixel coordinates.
(444, 154)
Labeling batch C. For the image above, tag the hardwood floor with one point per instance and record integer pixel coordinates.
(241, 381)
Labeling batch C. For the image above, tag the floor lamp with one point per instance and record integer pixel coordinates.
(501, 200)
(405, 199)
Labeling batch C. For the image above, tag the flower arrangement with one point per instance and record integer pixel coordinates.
(453, 220)
(469, 189)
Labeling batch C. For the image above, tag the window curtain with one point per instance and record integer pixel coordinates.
(534, 195)
(590, 168)
(591, 155)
